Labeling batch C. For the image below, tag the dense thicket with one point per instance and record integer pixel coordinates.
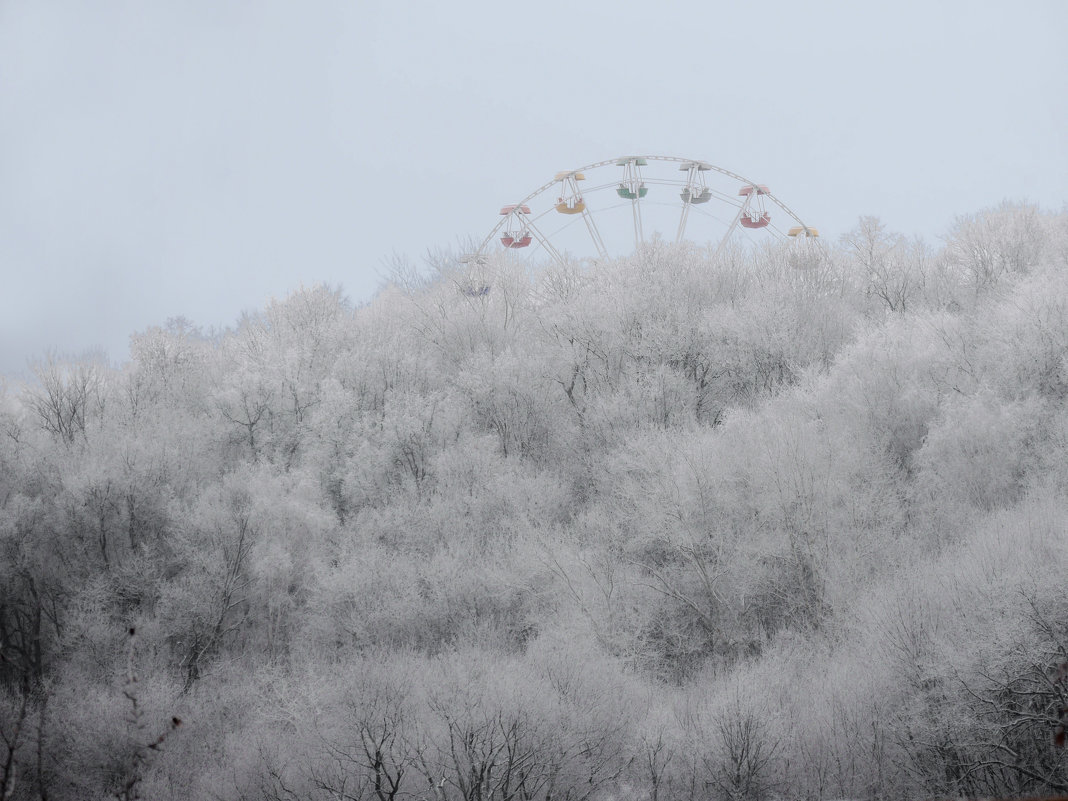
(779, 524)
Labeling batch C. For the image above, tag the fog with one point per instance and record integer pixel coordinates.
(199, 158)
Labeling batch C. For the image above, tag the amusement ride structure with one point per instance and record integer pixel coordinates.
(598, 210)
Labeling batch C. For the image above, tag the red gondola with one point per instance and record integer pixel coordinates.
(756, 217)
(518, 238)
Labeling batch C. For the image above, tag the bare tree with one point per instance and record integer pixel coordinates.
(12, 736)
(141, 747)
(1021, 709)
(892, 266)
(65, 396)
(742, 768)
(227, 607)
(378, 750)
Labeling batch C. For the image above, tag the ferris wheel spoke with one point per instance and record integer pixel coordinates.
(595, 235)
(730, 229)
(543, 240)
(682, 222)
(636, 212)
(632, 187)
(599, 187)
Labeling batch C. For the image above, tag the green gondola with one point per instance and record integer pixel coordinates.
(628, 194)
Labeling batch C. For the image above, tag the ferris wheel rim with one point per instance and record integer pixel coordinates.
(566, 175)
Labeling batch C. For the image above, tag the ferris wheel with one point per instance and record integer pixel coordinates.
(612, 207)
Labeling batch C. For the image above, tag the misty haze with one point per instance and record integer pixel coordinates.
(358, 444)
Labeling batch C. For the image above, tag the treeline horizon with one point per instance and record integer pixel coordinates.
(789, 522)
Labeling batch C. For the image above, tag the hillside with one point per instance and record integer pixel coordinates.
(783, 524)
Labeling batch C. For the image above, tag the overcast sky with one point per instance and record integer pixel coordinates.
(197, 157)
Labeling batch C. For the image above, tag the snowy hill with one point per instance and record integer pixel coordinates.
(777, 524)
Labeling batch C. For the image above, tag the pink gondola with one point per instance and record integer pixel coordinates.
(515, 239)
(759, 222)
(511, 242)
(757, 217)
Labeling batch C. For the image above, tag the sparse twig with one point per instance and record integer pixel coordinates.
(139, 758)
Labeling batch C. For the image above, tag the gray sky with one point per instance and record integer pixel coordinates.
(198, 157)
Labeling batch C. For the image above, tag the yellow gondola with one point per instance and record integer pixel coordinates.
(577, 206)
(570, 202)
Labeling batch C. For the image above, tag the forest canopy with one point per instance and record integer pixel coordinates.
(779, 523)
